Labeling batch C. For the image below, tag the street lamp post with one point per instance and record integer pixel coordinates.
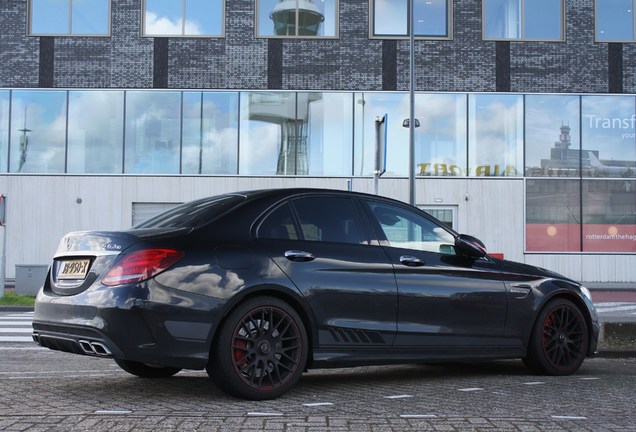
(411, 103)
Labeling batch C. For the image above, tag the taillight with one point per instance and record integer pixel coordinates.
(141, 265)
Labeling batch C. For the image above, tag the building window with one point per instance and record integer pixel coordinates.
(95, 132)
(553, 215)
(391, 18)
(69, 17)
(285, 133)
(4, 129)
(523, 20)
(553, 139)
(38, 131)
(153, 132)
(495, 144)
(440, 138)
(297, 18)
(185, 18)
(608, 136)
(210, 133)
(615, 21)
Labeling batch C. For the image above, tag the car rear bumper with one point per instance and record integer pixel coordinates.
(147, 324)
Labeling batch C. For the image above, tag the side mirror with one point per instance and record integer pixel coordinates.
(470, 246)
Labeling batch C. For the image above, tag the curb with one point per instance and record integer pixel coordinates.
(617, 340)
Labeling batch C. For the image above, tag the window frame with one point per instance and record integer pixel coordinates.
(145, 34)
(30, 31)
(521, 38)
(596, 28)
(257, 35)
(449, 25)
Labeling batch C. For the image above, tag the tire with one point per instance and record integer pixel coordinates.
(559, 341)
(144, 370)
(261, 350)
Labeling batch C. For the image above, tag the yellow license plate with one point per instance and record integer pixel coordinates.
(73, 269)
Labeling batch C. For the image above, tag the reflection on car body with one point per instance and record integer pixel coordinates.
(258, 286)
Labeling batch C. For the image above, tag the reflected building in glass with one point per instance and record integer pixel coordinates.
(527, 135)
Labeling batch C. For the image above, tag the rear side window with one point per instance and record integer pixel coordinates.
(279, 225)
(329, 219)
(193, 214)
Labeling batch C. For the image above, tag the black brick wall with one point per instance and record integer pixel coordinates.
(351, 62)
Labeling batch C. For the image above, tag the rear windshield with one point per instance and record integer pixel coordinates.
(193, 214)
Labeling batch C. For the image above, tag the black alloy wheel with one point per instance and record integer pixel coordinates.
(559, 340)
(261, 350)
(144, 370)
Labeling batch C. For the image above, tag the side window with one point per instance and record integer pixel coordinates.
(279, 225)
(329, 219)
(409, 230)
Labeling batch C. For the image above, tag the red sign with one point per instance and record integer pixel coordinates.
(567, 238)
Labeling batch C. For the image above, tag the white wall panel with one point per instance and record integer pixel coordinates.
(41, 209)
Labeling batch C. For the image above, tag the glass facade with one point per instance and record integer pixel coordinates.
(523, 19)
(190, 18)
(576, 152)
(297, 18)
(69, 17)
(390, 18)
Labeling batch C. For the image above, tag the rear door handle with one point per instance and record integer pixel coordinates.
(299, 256)
(411, 261)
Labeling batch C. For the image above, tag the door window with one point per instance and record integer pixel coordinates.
(406, 229)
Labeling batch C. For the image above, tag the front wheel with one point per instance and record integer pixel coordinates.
(145, 370)
(559, 340)
(261, 350)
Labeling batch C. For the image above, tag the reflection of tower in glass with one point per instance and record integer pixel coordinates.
(560, 150)
(289, 14)
(292, 115)
(24, 142)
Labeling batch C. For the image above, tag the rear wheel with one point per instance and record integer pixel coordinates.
(261, 350)
(146, 370)
(559, 341)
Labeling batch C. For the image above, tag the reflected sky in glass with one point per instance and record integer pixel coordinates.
(615, 20)
(153, 125)
(391, 17)
(95, 132)
(38, 131)
(210, 133)
(609, 127)
(166, 17)
(4, 129)
(50, 17)
(528, 19)
(88, 17)
(496, 135)
(545, 115)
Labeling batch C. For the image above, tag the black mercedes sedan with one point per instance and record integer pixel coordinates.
(257, 287)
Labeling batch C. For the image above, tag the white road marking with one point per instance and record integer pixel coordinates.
(470, 389)
(316, 404)
(404, 396)
(418, 416)
(264, 414)
(556, 417)
(534, 383)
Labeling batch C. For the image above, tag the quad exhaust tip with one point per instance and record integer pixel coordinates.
(94, 348)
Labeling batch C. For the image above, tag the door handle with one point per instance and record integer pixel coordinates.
(299, 256)
(411, 261)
